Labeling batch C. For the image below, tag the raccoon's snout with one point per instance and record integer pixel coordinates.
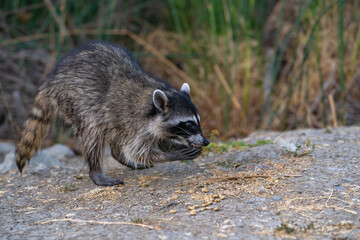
(206, 142)
(199, 141)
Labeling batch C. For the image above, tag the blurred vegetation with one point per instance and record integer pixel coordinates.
(251, 64)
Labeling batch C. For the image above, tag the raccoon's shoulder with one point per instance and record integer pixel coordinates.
(103, 52)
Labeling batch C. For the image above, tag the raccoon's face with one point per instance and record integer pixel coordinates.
(181, 120)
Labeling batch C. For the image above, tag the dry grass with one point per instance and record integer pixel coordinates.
(298, 73)
(307, 79)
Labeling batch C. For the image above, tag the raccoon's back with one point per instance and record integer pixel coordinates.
(94, 65)
(100, 80)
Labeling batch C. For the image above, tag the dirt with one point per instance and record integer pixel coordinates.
(261, 192)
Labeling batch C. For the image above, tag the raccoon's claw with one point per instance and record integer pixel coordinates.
(138, 166)
(20, 162)
(142, 166)
(99, 178)
(20, 165)
(183, 154)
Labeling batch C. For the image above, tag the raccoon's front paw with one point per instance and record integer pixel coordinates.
(99, 178)
(184, 154)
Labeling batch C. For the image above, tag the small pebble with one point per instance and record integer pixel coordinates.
(69, 215)
(174, 197)
(172, 211)
(216, 209)
(151, 189)
(206, 204)
(217, 200)
(204, 190)
(193, 213)
(179, 192)
(276, 198)
(240, 224)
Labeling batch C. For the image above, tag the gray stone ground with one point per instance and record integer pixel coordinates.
(314, 196)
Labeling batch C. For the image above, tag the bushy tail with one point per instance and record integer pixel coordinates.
(35, 129)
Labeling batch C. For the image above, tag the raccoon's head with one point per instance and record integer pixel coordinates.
(180, 118)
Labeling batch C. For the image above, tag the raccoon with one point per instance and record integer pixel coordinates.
(104, 94)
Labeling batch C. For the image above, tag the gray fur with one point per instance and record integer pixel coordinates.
(101, 90)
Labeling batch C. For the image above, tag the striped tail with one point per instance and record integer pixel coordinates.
(35, 129)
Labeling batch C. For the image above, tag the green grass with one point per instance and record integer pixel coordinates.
(233, 145)
(140, 220)
(285, 227)
(68, 188)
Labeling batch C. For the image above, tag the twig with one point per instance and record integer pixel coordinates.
(24, 9)
(344, 209)
(59, 20)
(95, 222)
(331, 193)
(255, 176)
(322, 206)
(320, 198)
(292, 175)
(22, 39)
(237, 178)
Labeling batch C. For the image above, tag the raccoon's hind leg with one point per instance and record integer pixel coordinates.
(96, 173)
(117, 154)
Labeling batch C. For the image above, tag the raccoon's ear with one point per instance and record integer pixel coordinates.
(185, 88)
(160, 100)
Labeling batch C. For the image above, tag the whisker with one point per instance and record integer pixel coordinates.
(184, 130)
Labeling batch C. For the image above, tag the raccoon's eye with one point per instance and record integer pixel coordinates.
(190, 125)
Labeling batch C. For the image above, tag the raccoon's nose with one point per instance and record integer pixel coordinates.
(206, 142)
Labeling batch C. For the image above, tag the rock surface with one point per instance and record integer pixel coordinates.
(5, 148)
(59, 151)
(47, 158)
(262, 192)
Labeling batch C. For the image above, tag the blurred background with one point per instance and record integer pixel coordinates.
(251, 64)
